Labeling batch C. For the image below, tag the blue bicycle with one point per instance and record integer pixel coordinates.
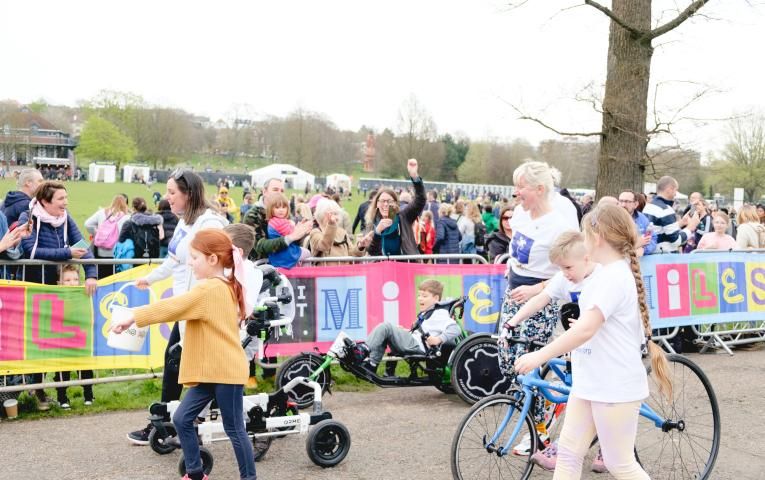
(677, 438)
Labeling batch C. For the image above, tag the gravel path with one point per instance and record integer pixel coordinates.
(396, 433)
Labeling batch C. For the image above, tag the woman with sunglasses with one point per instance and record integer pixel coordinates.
(498, 243)
(392, 232)
(186, 196)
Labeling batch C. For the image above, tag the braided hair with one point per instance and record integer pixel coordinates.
(615, 226)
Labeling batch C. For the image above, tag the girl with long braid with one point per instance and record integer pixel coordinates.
(609, 379)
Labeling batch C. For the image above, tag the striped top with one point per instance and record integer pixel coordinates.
(212, 352)
(669, 236)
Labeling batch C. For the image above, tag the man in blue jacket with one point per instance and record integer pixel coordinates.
(17, 201)
(628, 201)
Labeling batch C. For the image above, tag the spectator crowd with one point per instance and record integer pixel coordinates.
(35, 224)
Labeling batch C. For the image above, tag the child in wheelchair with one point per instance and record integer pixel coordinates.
(569, 254)
(433, 327)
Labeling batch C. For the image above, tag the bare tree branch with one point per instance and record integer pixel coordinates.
(634, 31)
(523, 116)
(674, 23)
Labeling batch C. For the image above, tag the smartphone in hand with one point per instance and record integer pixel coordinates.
(81, 244)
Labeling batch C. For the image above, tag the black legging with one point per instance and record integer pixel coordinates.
(171, 390)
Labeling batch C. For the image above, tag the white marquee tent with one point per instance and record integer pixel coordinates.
(292, 176)
(129, 170)
(102, 173)
(337, 180)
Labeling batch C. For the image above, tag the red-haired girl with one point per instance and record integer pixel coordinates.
(212, 364)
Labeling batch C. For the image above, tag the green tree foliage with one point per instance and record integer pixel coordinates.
(742, 163)
(101, 140)
(455, 153)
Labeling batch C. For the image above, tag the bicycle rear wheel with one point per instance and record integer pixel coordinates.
(470, 459)
(688, 451)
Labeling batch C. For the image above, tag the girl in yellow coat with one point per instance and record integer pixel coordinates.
(213, 364)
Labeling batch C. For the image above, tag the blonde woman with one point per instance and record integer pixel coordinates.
(750, 233)
(114, 216)
(329, 238)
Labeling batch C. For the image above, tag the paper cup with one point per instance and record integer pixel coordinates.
(11, 408)
(131, 339)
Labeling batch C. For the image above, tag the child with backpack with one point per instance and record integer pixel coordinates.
(105, 226)
(144, 229)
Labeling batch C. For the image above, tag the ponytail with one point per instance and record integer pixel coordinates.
(659, 364)
(211, 241)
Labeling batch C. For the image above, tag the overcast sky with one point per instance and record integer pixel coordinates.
(358, 61)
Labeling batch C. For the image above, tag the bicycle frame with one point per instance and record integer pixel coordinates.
(532, 385)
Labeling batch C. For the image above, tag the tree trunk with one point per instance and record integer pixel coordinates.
(623, 145)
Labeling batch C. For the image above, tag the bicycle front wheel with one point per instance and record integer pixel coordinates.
(470, 460)
(687, 450)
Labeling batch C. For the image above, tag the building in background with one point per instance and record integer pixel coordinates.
(26, 138)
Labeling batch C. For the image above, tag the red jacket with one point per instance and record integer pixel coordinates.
(427, 238)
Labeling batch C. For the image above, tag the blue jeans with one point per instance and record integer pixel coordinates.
(229, 398)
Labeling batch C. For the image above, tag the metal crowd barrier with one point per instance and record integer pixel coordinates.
(16, 270)
(446, 258)
(730, 334)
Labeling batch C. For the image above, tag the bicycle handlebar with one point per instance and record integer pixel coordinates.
(532, 344)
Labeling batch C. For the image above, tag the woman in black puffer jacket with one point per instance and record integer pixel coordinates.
(169, 221)
(498, 243)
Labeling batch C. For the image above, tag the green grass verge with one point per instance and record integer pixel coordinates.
(138, 395)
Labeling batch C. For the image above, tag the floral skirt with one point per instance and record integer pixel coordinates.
(539, 327)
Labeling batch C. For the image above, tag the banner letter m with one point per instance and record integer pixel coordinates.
(338, 312)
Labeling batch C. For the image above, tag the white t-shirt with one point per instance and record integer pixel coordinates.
(531, 242)
(609, 367)
(176, 262)
(560, 204)
(253, 281)
(561, 289)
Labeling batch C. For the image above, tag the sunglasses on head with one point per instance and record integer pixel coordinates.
(178, 173)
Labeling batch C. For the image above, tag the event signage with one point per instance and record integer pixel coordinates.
(51, 328)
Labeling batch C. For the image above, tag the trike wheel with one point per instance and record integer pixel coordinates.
(158, 441)
(470, 458)
(260, 446)
(207, 462)
(303, 365)
(475, 369)
(328, 443)
(688, 449)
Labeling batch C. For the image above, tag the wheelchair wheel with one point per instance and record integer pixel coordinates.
(328, 443)
(302, 366)
(157, 440)
(469, 456)
(475, 369)
(260, 446)
(207, 462)
(689, 449)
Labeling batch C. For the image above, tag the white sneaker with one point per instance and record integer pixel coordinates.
(65, 406)
(88, 403)
(524, 447)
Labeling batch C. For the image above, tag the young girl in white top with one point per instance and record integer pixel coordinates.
(609, 379)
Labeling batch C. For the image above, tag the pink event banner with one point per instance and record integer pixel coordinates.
(356, 298)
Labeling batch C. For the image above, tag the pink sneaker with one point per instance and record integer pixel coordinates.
(598, 466)
(547, 457)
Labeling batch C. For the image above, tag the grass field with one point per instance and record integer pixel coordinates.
(85, 198)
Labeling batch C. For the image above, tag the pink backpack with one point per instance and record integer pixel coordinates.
(108, 232)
